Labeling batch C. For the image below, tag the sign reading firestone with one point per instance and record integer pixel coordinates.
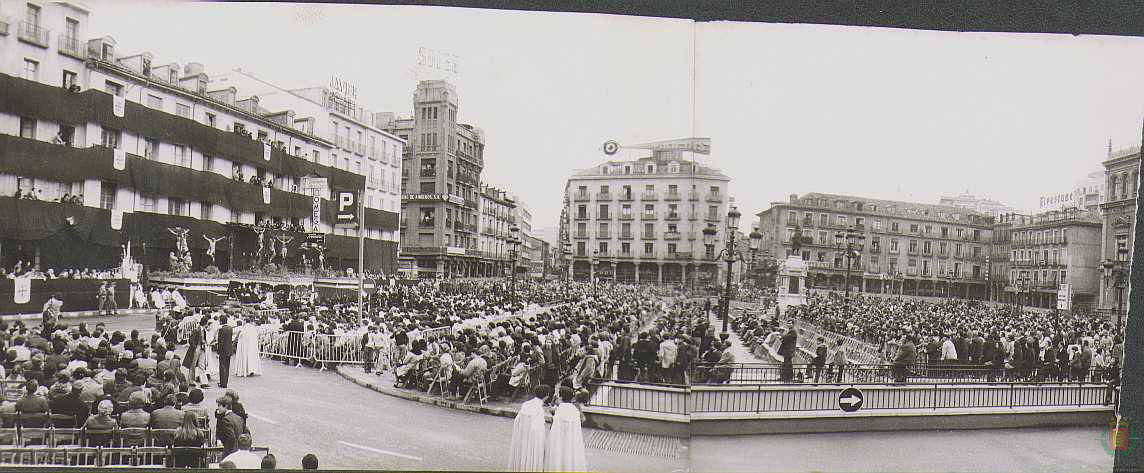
(694, 145)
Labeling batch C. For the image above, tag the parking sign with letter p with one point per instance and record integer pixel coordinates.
(347, 213)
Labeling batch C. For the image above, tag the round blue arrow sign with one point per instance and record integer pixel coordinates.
(850, 399)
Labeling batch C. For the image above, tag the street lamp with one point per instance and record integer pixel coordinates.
(513, 250)
(592, 263)
(567, 250)
(948, 286)
(853, 239)
(1115, 276)
(729, 254)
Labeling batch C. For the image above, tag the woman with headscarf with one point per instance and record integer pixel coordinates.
(99, 427)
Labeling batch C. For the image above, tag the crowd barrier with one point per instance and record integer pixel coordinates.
(756, 373)
(98, 457)
(858, 351)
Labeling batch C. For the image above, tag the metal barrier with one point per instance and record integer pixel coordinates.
(762, 399)
(662, 398)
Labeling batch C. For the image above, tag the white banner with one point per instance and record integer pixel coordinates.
(23, 294)
(118, 104)
(266, 195)
(266, 151)
(116, 219)
(120, 161)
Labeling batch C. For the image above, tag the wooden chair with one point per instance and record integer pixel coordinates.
(116, 456)
(151, 457)
(67, 421)
(440, 380)
(66, 437)
(49, 456)
(160, 437)
(97, 437)
(480, 387)
(35, 429)
(132, 436)
(82, 456)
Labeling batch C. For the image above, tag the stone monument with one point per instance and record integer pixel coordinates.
(792, 275)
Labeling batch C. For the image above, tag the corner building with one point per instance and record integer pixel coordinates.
(146, 146)
(1119, 220)
(440, 184)
(641, 221)
(910, 248)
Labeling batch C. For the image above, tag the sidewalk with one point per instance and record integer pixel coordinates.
(73, 314)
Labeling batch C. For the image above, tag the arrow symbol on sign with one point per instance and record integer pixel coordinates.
(851, 400)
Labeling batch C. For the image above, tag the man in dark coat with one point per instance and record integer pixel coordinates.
(195, 348)
(907, 356)
(229, 425)
(788, 347)
(225, 348)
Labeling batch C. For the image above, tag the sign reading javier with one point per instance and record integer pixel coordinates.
(850, 399)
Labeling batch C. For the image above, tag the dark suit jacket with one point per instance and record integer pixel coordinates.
(229, 428)
(226, 341)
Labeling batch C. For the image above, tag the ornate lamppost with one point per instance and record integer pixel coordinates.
(1116, 276)
(853, 240)
(728, 254)
(513, 251)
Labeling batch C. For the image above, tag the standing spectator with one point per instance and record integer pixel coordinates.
(229, 425)
(819, 360)
(839, 361)
(907, 356)
(225, 349)
(788, 347)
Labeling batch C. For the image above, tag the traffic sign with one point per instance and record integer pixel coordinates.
(850, 399)
(347, 212)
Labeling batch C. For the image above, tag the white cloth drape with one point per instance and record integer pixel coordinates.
(526, 453)
(565, 441)
(246, 361)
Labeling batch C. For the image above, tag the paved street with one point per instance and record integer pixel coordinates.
(1010, 450)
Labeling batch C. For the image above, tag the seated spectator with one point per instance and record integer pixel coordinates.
(101, 421)
(167, 416)
(72, 404)
(195, 407)
(188, 435)
(32, 403)
(310, 462)
(136, 416)
(243, 458)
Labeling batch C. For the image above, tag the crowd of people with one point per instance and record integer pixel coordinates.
(23, 269)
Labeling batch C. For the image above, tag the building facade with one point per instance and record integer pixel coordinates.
(1051, 251)
(1087, 194)
(497, 217)
(909, 248)
(133, 147)
(440, 184)
(1119, 218)
(976, 204)
(641, 221)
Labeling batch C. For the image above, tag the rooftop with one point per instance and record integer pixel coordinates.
(639, 168)
(895, 208)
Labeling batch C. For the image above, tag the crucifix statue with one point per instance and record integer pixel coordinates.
(261, 247)
(283, 239)
(181, 239)
(211, 246)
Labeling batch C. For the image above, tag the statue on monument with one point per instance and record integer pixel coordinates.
(797, 241)
(261, 246)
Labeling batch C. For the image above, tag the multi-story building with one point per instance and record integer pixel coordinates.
(1054, 250)
(911, 248)
(642, 220)
(497, 209)
(1119, 215)
(528, 250)
(440, 183)
(147, 146)
(537, 257)
(976, 204)
(1087, 194)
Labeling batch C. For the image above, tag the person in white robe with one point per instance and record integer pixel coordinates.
(246, 361)
(157, 299)
(565, 450)
(526, 453)
(180, 301)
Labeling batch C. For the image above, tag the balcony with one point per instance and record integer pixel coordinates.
(649, 196)
(647, 216)
(604, 235)
(604, 196)
(875, 250)
(627, 216)
(427, 222)
(583, 216)
(672, 216)
(647, 236)
(714, 197)
(713, 218)
(626, 236)
(693, 196)
(672, 196)
(70, 47)
(626, 196)
(606, 216)
(580, 236)
(683, 255)
(428, 172)
(625, 255)
(33, 34)
(692, 217)
(581, 197)
(671, 236)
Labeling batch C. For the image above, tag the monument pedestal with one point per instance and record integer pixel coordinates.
(791, 284)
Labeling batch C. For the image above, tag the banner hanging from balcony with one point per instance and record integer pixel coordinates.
(120, 160)
(116, 219)
(23, 293)
(266, 151)
(118, 105)
(266, 195)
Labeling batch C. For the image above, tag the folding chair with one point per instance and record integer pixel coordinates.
(97, 437)
(440, 380)
(35, 430)
(66, 437)
(116, 456)
(10, 455)
(13, 390)
(82, 456)
(9, 429)
(67, 421)
(151, 457)
(50, 456)
(132, 436)
(480, 386)
(160, 437)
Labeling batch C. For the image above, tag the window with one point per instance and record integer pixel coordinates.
(792, 217)
(913, 228)
(107, 193)
(31, 70)
(428, 187)
(183, 110)
(155, 102)
(649, 229)
(208, 163)
(71, 29)
(204, 210)
(823, 219)
(210, 119)
(147, 203)
(648, 248)
(182, 156)
(926, 247)
(893, 245)
(176, 206)
(894, 227)
(603, 211)
(150, 148)
(713, 212)
(32, 15)
(110, 138)
(113, 88)
(603, 246)
(27, 128)
(69, 79)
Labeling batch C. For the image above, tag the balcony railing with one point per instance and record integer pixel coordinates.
(34, 34)
(672, 216)
(625, 254)
(428, 172)
(714, 197)
(671, 196)
(607, 216)
(581, 197)
(680, 255)
(605, 235)
(70, 47)
(604, 196)
(649, 196)
(647, 216)
(627, 196)
(713, 218)
(627, 216)
(647, 236)
(671, 236)
(427, 223)
(626, 235)
(693, 196)
(581, 235)
(583, 217)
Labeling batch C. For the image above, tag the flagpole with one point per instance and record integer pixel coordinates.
(361, 256)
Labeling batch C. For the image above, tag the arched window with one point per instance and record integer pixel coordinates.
(1124, 185)
(1112, 188)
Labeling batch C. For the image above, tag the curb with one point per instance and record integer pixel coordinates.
(436, 401)
(76, 315)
